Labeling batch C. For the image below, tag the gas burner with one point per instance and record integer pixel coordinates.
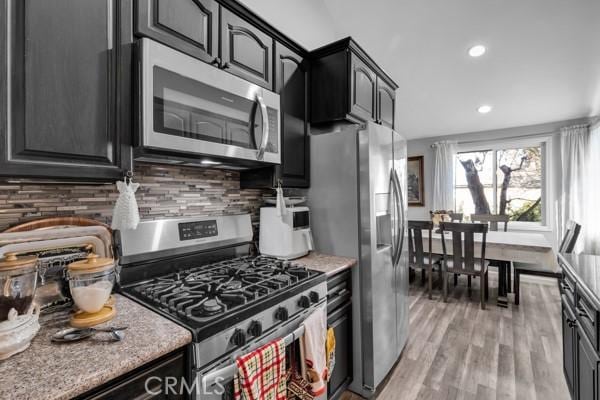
(201, 293)
(212, 306)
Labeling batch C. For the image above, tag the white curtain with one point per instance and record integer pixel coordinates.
(591, 205)
(443, 175)
(580, 159)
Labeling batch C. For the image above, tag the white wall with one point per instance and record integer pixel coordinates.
(422, 147)
(307, 22)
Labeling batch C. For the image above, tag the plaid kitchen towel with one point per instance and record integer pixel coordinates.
(261, 374)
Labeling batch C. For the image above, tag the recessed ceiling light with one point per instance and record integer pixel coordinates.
(484, 109)
(477, 51)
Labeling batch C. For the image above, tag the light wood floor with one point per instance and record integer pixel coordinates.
(455, 350)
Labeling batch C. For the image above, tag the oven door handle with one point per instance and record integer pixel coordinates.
(227, 373)
(265, 127)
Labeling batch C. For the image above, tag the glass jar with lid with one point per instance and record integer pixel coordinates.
(18, 280)
(91, 282)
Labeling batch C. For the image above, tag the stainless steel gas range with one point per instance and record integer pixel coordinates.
(198, 273)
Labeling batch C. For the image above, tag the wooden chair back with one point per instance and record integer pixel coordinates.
(416, 253)
(569, 238)
(463, 246)
(492, 220)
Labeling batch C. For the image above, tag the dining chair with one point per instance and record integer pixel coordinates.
(463, 259)
(492, 220)
(566, 246)
(454, 217)
(418, 258)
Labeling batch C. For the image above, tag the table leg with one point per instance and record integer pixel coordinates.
(508, 277)
(502, 300)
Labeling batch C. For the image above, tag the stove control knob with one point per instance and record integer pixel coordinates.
(314, 297)
(238, 338)
(255, 328)
(282, 314)
(304, 302)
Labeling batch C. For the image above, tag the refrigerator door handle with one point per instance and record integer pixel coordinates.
(401, 225)
(394, 204)
(399, 219)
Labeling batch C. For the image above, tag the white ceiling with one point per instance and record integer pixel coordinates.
(542, 63)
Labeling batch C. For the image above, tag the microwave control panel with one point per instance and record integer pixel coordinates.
(197, 230)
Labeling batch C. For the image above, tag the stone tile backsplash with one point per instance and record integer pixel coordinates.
(165, 191)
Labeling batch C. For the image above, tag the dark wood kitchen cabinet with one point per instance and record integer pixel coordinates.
(246, 51)
(191, 26)
(339, 317)
(386, 101)
(363, 87)
(347, 86)
(569, 340)
(224, 33)
(587, 368)
(580, 331)
(292, 78)
(68, 94)
(163, 378)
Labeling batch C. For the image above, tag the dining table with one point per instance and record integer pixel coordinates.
(506, 247)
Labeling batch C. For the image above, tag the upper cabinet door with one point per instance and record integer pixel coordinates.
(191, 26)
(245, 50)
(292, 85)
(69, 101)
(363, 83)
(386, 100)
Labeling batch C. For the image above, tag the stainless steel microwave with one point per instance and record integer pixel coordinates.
(195, 110)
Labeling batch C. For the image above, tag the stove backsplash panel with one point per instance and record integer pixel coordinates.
(165, 191)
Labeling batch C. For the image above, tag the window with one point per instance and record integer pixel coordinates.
(502, 180)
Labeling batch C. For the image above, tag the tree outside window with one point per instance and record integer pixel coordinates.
(500, 181)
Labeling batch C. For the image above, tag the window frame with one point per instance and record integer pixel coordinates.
(546, 145)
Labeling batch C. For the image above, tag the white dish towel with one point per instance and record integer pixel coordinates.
(280, 202)
(126, 214)
(313, 344)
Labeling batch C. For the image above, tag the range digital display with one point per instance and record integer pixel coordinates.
(197, 230)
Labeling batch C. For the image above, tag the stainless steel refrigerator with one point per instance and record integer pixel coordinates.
(358, 209)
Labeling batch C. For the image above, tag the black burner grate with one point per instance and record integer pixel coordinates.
(210, 291)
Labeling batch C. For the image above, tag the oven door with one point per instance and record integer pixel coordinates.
(194, 108)
(215, 381)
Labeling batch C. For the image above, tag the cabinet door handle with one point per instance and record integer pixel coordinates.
(566, 287)
(583, 313)
(571, 322)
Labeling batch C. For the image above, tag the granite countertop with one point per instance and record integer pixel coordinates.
(586, 269)
(49, 371)
(331, 265)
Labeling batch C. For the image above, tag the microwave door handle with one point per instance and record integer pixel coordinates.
(265, 128)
